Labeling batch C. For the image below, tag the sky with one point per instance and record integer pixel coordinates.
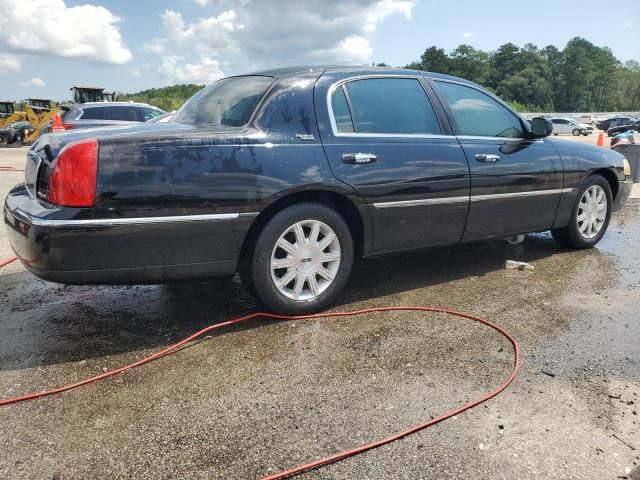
(46, 46)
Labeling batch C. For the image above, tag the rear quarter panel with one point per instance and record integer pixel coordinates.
(206, 170)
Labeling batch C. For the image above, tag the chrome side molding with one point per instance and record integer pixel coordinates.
(108, 222)
(472, 198)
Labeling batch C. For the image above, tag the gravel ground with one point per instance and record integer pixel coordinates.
(265, 396)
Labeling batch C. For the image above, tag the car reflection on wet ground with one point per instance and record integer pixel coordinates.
(263, 396)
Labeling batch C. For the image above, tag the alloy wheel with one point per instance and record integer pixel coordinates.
(305, 260)
(592, 211)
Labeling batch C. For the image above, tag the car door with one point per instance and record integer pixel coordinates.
(516, 183)
(383, 136)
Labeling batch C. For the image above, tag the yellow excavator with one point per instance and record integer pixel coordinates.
(38, 112)
(9, 115)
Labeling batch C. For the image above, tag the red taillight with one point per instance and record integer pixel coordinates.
(68, 126)
(73, 180)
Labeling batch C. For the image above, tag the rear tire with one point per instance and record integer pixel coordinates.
(3, 140)
(302, 259)
(590, 215)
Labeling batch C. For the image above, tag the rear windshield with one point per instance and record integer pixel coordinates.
(93, 113)
(229, 102)
(70, 114)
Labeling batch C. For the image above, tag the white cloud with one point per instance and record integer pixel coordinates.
(10, 63)
(353, 48)
(210, 35)
(385, 8)
(34, 82)
(49, 27)
(175, 70)
(627, 24)
(468, 34)
(155, 45)
(268, 33)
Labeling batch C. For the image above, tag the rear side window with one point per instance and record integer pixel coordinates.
(93, 113)
(341, 112)
(477, 114)
(229, 101)
(123, 113)
(387, 106)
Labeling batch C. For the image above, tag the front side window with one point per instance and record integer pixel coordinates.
(229, 102)
(477, 114)
(385, 106)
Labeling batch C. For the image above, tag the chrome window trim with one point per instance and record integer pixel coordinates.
(340, 83)
(109, 222)
(502, 139)
(467, 198)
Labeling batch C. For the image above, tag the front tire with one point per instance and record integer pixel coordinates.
(590, 215)
(302, 259)
(576, 132)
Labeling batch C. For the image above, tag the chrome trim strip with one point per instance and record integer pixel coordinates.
(502, 139)
(108, 222)
(473, 198)
(426, 201)
(532, 193)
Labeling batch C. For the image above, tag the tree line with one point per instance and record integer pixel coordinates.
(582, 77)
(167, 98)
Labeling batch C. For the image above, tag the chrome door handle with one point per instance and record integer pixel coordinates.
(353, 158)
(487, 158)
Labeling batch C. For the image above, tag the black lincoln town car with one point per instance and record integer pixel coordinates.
(286, 176)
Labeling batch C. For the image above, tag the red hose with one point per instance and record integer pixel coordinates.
(338, 456)
(10, 169)
(7, 261)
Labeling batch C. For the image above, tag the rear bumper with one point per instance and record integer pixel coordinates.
(624, 191)
(58, 245)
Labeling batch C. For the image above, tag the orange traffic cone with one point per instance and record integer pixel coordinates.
(600, 140)
(57, 124)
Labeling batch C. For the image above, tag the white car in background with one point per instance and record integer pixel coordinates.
(570, 127)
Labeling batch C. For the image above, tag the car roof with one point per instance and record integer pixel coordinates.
(109, 104)
(360, 70)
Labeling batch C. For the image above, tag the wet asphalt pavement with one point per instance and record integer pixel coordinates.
(265, 396)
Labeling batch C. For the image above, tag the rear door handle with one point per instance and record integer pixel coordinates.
(353, 158)
(487, 158)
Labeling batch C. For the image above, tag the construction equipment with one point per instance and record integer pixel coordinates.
(38, 112)
(92, 94)
(8, 115)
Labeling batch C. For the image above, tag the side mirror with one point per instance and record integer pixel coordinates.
(540, 127)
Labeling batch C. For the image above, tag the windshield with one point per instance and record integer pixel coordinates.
(229, 102)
